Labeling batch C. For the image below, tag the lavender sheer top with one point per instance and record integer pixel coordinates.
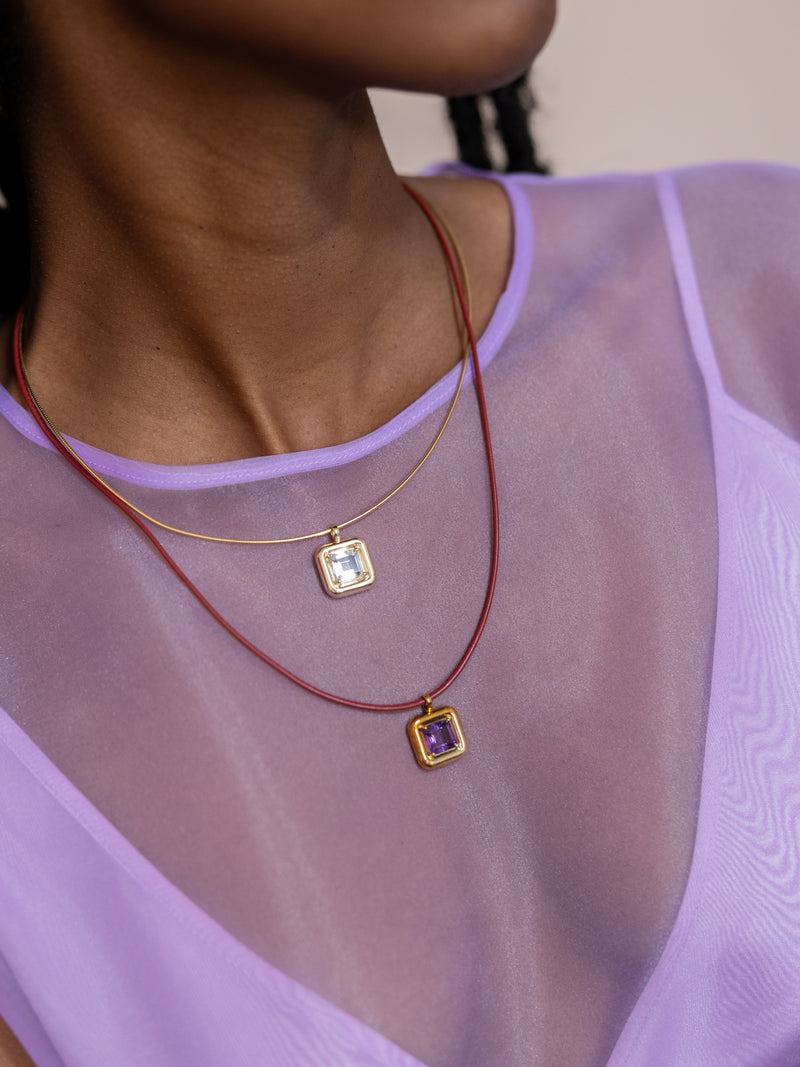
(200, 864)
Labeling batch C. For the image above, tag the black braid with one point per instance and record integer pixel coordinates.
(14, 239)
(513, 105)
(468, 127)
(14, 234)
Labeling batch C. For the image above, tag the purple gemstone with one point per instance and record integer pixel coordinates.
(440, 737)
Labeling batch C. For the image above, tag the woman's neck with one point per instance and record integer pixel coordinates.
(225, 264)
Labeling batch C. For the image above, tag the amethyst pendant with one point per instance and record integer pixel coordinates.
(436, 737)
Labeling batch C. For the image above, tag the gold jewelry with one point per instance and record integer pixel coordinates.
(344, 567)
(436, 735)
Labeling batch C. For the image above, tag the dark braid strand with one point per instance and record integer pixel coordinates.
(513, 105)
(14, 235)
(467, 124)
(14, 238)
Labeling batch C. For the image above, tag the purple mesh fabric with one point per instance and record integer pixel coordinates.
(201, 864)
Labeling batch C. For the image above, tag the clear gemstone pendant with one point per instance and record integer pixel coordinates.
(436, 736)
(344, 567)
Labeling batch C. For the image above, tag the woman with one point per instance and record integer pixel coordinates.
(247, 326)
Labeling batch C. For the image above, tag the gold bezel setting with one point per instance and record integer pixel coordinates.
(436, 737)
(332, 582)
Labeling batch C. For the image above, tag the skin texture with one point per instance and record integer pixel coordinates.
(12, 1053)
(449, 46)
(219, 238)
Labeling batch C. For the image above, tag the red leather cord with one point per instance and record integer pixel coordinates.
(495, 529)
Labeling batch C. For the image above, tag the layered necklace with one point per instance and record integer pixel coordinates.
(344, 567)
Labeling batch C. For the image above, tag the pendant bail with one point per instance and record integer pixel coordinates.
(334, 533)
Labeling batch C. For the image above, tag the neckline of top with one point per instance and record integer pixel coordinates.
(262, 468)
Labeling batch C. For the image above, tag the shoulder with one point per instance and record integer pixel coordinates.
(742, 222)
(743, 227)
(742, 217)
(749, 197)
(725, 186)
(602, 241)
(478, 215)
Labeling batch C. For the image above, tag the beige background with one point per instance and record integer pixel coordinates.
(640, 84)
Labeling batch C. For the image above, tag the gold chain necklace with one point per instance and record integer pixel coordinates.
(344, 567)
(436, 735)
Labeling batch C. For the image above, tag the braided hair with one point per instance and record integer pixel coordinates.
(14, 239)
(512, 106)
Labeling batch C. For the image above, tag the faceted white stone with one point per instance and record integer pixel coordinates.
(347, 565)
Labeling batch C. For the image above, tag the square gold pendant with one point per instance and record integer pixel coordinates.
(436, 737)
(345, 567)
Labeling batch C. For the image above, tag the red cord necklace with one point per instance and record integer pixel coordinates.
(436, 736)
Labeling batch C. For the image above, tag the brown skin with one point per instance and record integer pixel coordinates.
(12, 1054)
(223, 254)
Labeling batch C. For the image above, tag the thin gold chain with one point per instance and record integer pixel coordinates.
(317, 533)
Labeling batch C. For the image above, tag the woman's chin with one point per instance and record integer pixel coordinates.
(448, 47)
(483, 53)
